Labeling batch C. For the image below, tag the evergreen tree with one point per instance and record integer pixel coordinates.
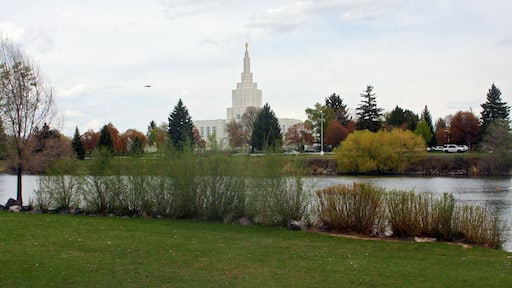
(105, 140)
(150, 134)
(267, 132)
(180, 129)
(493, 108)
(424, 131)
(402, 118)
(77, 145)
(425, 115)
(339, 110)
(368, 113)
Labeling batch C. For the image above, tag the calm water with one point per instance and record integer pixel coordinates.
(491, 192)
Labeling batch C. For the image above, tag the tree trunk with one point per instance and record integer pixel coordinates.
(19, 194)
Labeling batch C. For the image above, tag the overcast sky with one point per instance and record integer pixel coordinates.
(99, 55)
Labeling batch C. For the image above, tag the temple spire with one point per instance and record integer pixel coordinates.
(247, 60)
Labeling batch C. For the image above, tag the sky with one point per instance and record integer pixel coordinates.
(99, 55)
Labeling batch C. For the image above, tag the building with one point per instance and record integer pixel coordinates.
(244, 96)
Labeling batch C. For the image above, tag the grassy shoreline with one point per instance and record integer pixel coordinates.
(78, 251)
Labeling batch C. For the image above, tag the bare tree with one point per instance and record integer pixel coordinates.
(26, 102)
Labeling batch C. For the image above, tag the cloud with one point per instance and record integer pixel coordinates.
(298, 12)
(73, 92)
(505, 42)
(74, 114)
(179, 8)
(12, 31)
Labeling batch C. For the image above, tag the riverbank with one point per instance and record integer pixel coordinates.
(433, 164)
(79, 251)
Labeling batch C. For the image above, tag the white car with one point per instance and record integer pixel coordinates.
(453, 148)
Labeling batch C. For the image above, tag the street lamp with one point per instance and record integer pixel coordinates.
(321, 133)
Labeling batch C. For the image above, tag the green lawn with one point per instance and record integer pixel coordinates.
(82, 251)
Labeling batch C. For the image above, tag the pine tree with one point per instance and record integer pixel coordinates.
(77, 145)
(425, 115)
(340, 111)
(267, 132)
(180, 129)
(493, 108)
(105, 140)
(368, 113)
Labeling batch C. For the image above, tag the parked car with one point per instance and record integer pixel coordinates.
(453, 148)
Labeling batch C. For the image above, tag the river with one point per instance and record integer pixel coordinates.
(495, 193)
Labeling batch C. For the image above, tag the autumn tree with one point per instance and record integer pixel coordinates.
(157, 134)
(368, 114)
(464, 128)
(248, 118)
(47, 144)
(238, 137)
(26, 102)
(90, 140)
(267, 132)
(199, 142)
(299, 135)
(77, 145)
(116, 138)
(133, 142)
(335, 133)
(442, 132)
(494, 108)
(180, 127)
(380, 152)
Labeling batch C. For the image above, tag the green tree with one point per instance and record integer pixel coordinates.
(338, 109)
(105, 140)
(380, 152)
(425, 115)
(423, 130)
(77, 145)
(493, 109)
(267, 132)
(368, 114)
(316, 118)
(180, 129)
(498, 141)
(405, 119)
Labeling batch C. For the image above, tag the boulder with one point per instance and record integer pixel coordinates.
(15, 208)
(297, 225)
(11, 202)
(245, 221)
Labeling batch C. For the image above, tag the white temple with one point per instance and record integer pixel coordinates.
(244, 96)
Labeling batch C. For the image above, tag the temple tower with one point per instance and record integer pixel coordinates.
(246, 93)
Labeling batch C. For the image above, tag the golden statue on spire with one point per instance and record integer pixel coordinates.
(246, 45)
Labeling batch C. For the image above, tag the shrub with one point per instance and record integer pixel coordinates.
(420, 214)
(478, 225)
(59, 188)
(351, 208)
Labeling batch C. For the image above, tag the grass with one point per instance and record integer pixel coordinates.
(79, 251)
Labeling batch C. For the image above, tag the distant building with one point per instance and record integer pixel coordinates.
(244, 96)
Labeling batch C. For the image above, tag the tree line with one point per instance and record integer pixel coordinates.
(29, 140)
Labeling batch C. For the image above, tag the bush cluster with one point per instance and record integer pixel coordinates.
(179, 185)
(369, 210)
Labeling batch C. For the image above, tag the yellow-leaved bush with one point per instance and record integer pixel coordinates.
(380, 152)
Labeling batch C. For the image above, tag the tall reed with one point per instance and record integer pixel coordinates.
(351, 208)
